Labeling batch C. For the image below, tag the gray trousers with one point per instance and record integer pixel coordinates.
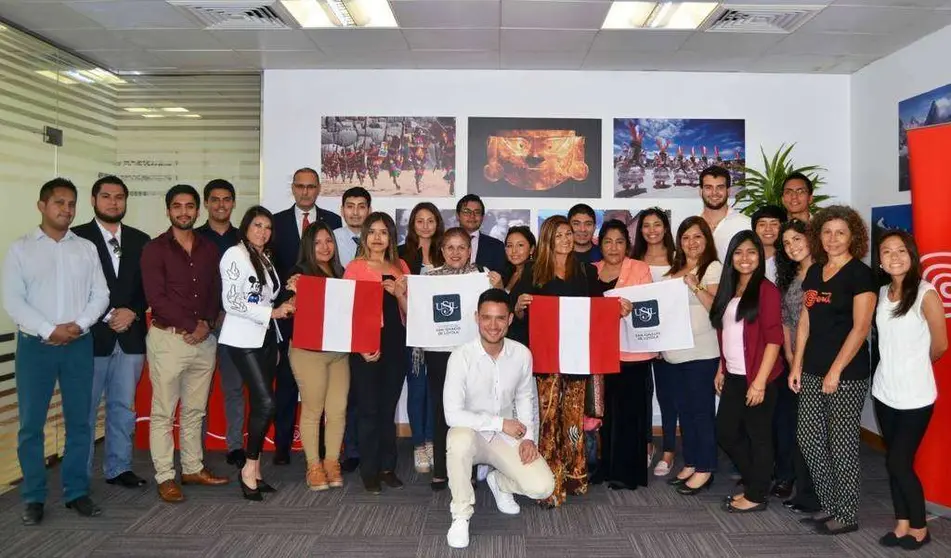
(233, 388)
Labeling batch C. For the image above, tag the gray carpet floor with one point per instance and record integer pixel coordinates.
(652, 522)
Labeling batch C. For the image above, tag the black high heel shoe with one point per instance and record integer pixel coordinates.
(265, 488)
(676, 481)
(253, 494)
(688, 491)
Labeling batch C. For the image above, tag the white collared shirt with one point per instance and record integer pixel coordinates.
(46, 283)
(733, 223)
(346, 245)
(474, 248)
(480, 392)
(107, 236)
(299, 216)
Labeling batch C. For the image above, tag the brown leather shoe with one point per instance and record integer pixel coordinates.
(204, 477)
(169, 491)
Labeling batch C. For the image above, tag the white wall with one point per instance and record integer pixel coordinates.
(810, 110)
(875, 93)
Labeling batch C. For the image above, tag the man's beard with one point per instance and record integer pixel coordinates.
(708, 205)
(181, 227)
(109, 218)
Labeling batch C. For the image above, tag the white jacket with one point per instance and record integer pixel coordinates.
(246, 301)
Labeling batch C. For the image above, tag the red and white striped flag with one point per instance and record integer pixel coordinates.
(574, 335)
(340, 315)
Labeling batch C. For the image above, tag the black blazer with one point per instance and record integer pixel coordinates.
(491, 253)
(125, 291)
(286, 245)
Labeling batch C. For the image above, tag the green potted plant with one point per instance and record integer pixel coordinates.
(759, 188)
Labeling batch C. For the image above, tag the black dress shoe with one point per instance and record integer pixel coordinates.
(782, 490)
(128, 479)
(350, 464)
(84, 506)
(253, 494)
(688, 491)
(32, 514)
(237, 458)
(676, 481)
(824, 529)
(265, 488)
(390, 479)
(618, 485)
(799, 508)
(909, 542)
(373, 486)
(889, 539)
(439, 485)
(757, 508)
(282, 457)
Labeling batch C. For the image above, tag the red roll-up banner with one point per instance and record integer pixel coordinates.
(930, 151)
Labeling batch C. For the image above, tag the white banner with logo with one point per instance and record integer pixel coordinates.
(440, 309)
(660, 320)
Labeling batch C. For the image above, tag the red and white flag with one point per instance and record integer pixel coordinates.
(340, 315)
(574, 335)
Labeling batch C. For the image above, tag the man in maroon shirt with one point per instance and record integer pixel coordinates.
(183, 288)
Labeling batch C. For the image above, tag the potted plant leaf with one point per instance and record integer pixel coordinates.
(758, 188)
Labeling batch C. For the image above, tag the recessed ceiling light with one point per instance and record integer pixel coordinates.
(138, 109)
(340, 13)
(153, 116)
(657, 15)
(175, 109)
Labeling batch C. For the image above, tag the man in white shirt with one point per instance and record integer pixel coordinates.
(491, 408)
(723, 221)
(54, 290)
(354, 207)
(767, 221)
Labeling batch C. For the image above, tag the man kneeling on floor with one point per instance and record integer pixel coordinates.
(491, 408)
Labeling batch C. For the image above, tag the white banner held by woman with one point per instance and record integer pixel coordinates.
(440, 309)
(660, 320)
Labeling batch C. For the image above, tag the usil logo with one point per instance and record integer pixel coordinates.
(447, 308)
(936, 269)
(646, 313)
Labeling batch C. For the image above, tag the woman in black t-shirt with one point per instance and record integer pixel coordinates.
(831, 366)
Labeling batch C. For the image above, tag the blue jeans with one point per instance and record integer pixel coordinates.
(116, 376)
(419, 406)
(38, 367)
(666, 388)
(696, 406)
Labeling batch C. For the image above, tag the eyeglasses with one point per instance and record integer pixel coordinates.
(798, 192)
(472, 212)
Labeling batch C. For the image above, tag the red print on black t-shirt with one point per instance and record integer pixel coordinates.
(813, 297)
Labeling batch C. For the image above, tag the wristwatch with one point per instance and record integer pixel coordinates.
(699, 287)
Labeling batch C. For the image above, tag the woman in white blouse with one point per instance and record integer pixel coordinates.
(911, 336)
(249, 285)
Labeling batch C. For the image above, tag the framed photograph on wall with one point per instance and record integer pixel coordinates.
(928, 109)
(496, 222)
(535, 157)
(388, 155)
(663, 157)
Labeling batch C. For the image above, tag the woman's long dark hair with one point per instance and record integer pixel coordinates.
(709, 254)
(909, 285)
(307, 258)
(390, 255)
(786, 268)
(640, 243)
(412, 239)
(617, 225)
(748, 307)
(257, 261)
(510, 271)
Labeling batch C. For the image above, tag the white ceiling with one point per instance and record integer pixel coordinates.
(153, 36)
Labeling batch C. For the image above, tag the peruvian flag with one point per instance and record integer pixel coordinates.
(340, 315)
(574, 335)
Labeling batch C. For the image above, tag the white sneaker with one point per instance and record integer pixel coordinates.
(482, 471)
(503, 500)
(458, 535)
(420, 460)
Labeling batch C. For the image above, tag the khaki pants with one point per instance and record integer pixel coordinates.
(466, 447)
(178, 372)
(323, 379)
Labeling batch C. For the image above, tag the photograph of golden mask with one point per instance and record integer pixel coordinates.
(535, 160)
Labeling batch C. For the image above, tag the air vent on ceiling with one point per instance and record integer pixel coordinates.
(734, 18)
(235, 14)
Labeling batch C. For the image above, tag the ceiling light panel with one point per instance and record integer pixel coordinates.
(658, 15)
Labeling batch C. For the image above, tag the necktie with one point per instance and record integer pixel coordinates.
(306, 222)
(356, 240)
(116, 249)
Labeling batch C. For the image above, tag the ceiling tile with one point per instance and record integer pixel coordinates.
(785, 63)
(623, 60)
(283, 59)
(40, 16)
(851, 64)
(362, 59)
(203, 59)
(278, 39)
(894, 3)
(639, 40)
(450, 59)
(865, 19)
(547, 39)
(173, 39)
(548, 60)
(838, 44)
(87, 39)
(358, 39)
(128, 59)
(452, 39)
(548, 14)
(446, 13)
(136, 15)
(729, 44)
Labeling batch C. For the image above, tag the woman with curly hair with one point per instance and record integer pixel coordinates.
(831, 364)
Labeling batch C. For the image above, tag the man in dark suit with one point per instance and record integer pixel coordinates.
(119, 335)
(487, 252)
(288, 227)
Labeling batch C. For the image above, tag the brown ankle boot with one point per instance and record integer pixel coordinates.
(316, 477)
(332, 468)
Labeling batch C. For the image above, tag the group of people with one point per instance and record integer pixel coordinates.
(780, 308)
